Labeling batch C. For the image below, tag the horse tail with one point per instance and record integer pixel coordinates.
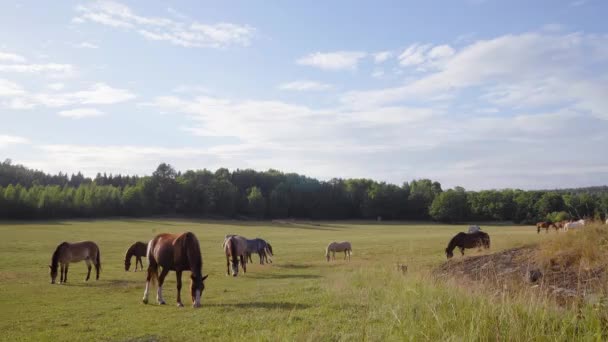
(98, 261)
(152, 265)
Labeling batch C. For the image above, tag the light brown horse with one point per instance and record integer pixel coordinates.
(67, 252)
(175, 252)
(137, 250)
(334, 247)
(235, 247)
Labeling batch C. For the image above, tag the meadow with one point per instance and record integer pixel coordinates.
(299, 297)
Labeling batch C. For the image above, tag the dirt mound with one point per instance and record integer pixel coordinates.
(518, 268)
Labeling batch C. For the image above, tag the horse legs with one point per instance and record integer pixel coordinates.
(65, 277)
(151, 267)
(88, 269)
(227, 265)
(248, 257)
(345, 253)
(141, 264)
(461, 250)
(61, 274)
(261, 254)
(244, 264)
(159, 291)
(178, 274)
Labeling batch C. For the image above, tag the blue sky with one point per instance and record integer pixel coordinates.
(477, 93)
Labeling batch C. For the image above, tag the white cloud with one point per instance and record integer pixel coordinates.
(339, 60)
(8, 88)
(96, 94)
(7, 140)
(55, 68)
(79, 113)
(11, 57)
(382, 56)
(182, 33)
(378, 73)
(441, 51)
(56, 86)
(414, 55)
(508, 68)
(305, 86)
(87, 45)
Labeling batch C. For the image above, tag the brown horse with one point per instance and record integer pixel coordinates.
(138, 250)
(175, 252)
(67, 252)
(464, 240)
(235, 247)
(546, 226)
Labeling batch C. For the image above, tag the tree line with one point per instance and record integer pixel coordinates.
(27, 194)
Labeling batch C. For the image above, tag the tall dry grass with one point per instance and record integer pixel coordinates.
(585, 248)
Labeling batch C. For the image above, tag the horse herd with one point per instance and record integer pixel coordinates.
(564, 225)
(181, 252)
(174, 252)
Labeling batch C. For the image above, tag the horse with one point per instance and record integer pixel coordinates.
(138, 250)
(175, 252)
(67, 252)
(474, 229)
(334, 247)
(261, 248)
(268, 251)
(464, 240)
(235, 247)
(574, 225)
(545, 225)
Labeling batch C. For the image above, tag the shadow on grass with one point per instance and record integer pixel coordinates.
(263, 305)
(105, 283)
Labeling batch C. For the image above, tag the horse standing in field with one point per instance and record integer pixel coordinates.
(235, 248)
(545, 225)
(334, 247)
(67, 252)
(574, 225)
(179, 253)
(137, 250)
(261, 248)
(464, 240)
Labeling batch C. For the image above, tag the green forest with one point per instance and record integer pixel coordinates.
(33, 194)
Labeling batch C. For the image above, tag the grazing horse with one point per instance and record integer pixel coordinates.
(261, 248)
(175, 252)
(235, 248)
(268, 251)
(138, 250)
(546, 226)
(334, 247)
(67, 252)
(574, 225)
(464, 240)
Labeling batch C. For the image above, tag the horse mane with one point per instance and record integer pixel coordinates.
(192, 250)
(453, 241)
(55, 258)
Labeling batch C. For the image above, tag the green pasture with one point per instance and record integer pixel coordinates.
(299, 297)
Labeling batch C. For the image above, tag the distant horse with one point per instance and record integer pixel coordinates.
(464, 240)
(261, 248)
(175, 252)
(334, 247)
(474, 229)
(574, 225)
(67, 252)
(545, 225)
(138, 250)
(235, 248)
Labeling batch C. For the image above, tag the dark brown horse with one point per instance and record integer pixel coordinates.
(464, 240)
(175, 252)
(67, 252)
(546, 226)
(137, 250)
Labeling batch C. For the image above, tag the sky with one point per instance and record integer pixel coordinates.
(483, 94)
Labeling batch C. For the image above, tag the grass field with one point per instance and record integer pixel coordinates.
(299, 297)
